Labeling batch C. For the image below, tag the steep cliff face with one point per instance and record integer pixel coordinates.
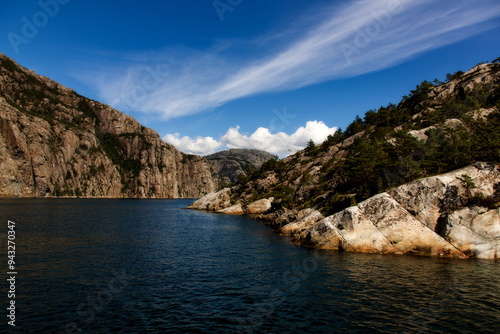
(388, 163)
(232, 163)
(54, 142)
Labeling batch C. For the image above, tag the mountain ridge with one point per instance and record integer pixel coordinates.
(232, 163)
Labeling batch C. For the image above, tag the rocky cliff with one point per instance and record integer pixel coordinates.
(234, 162)
(54, 142)
(430, 216)
(425, 173)
(415, 218)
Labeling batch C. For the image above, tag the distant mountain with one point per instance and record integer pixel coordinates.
(55, 142)
(419, 177)
(231, 163)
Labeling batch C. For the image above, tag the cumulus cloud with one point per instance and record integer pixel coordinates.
(279, 143)
(198, 145)
(343, 41)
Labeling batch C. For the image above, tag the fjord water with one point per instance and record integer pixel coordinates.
(149, 266)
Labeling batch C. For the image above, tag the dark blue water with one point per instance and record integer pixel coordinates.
(148, 266)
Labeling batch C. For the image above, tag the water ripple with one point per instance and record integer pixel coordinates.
(145, 266)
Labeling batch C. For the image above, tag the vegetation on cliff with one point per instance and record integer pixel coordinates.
(371, 187)
(55, 142)
(437, 128)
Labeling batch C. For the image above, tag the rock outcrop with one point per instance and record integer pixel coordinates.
(234, 162)
(415, 218)
(213, 202)
(221, 202)
(258, 207)
(54, 142)
(371, 188)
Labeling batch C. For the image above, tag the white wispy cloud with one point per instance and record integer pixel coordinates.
(360, 37)
(279, 143)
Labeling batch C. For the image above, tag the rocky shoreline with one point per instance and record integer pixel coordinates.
(436, 216)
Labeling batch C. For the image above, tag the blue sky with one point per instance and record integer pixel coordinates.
(210, 75)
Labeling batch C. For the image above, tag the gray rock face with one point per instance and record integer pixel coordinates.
(54, 142)
(475, 231)
(301, 221)
(258, 207)
(221, 202)
(410, 220)
(231, 163)
(213, 202)
(415, 218)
